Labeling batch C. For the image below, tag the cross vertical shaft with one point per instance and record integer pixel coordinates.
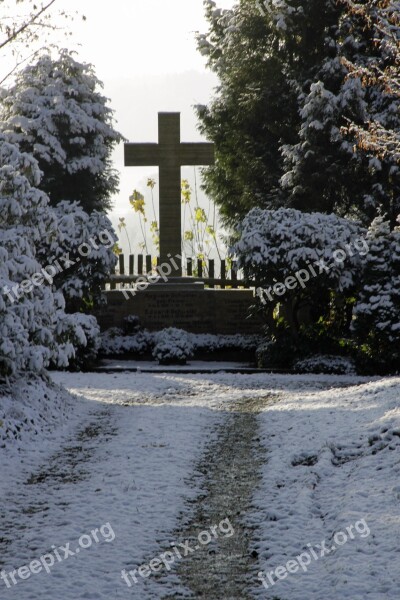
(169, 139)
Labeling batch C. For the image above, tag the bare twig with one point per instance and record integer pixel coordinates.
(26, 25)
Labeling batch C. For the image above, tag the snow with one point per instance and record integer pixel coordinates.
(137, 484)
(353, 434)
(123, 451)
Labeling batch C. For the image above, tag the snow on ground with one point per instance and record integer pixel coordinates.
(35, 410)
(122, 457)
(334, 461)
(133, 472)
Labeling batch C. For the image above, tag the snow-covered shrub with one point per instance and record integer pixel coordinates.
(142, 342)
(376, 315)
(172, 346)
(34, 329)
(27, 317)
(302, 262)
(82, 332)
(276, 244)
(81, 251)
(55, 112)
(114, 342)
(209, 343)
(332, 365)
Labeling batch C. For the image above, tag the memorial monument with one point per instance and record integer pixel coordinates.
(180, 302)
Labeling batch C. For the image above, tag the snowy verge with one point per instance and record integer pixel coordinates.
(32, 407)
(35, 414)
(333, 461)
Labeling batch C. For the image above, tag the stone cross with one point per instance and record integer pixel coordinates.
(169, 155)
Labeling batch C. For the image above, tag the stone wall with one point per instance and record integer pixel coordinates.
(198, 311)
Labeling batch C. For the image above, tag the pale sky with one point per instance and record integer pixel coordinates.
(127, 38)
(145, 53)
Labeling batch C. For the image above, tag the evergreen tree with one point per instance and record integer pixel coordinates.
(55, 112)
(308, 163)
(254, 109)
(382, 16)
(376, 321)
(379, 136)
(324, 169)
(35, 331)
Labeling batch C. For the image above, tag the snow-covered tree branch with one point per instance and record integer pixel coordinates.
(382, 19)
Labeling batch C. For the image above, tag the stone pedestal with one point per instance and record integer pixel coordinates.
(183, 305)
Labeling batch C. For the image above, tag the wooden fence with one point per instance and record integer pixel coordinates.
(226, 276)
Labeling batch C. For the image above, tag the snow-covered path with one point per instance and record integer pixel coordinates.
(265, 463)
(129, 464)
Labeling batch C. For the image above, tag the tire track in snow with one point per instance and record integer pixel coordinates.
(231, 470)
(67, 466)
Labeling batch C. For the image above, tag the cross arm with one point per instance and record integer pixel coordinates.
(142, 155)
(197, 154)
